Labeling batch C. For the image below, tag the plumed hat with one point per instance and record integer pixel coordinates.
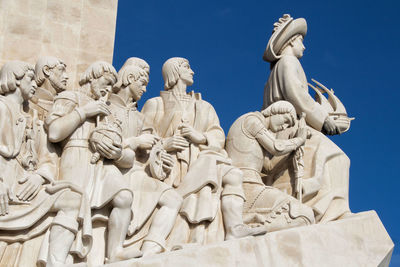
(284, 29)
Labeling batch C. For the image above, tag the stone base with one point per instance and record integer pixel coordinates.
(358, 240)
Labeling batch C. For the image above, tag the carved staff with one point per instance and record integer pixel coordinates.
(298, 164)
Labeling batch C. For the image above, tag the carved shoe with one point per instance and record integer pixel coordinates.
(287, 215)
(243, 230)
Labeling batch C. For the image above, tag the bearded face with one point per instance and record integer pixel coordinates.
(58, 78)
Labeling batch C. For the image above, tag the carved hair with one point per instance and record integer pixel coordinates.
(48, 61)
(170, 71)
(291, 40)
(127, 72)
(135, 61)
(10, 75)
(281, 107)
(96, 70)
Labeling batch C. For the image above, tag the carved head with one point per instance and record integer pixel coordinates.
(286, 31)
(281, 115)
(134, 79)
(54, 70)
(175, 69)
(18, 74)
(101, 76)
(135, 61)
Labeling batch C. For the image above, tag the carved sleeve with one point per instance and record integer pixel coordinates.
(296, 92)
(214, 134)
(149, 111)
(48, 158)
(64, 117)
(7, 143)
(255, 128)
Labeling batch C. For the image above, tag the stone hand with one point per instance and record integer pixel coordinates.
(167, 161)
(95, 108)
(329, 127)
(4, 198)
(146, 141)
(192, 134)
(109, 150)
(175, 143)
(31, 187)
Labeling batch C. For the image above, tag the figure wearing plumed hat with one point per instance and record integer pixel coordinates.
(325, 187)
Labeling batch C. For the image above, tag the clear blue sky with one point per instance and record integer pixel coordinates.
(351, 46)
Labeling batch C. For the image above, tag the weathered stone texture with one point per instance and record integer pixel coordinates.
(65, 29)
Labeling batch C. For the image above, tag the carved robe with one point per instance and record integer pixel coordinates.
(201, 193)
(146, 189)
(326, 182)
(100, 181)
(24, 149)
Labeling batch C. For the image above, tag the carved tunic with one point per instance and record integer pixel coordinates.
(101, 181)
(325, 163)
(288, 81)
(162, 117)
(24, 150)
(146, 190)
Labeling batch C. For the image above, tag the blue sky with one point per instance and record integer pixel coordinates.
(351, 46)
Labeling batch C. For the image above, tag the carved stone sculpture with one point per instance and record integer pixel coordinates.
(190, 132)
(149, 190)
(29, 169)
(326, 173)
(253, 147)
(51, 78)
(71, 122)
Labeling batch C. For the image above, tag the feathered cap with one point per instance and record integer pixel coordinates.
(284, 29)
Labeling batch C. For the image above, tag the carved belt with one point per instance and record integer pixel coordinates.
(77, 143)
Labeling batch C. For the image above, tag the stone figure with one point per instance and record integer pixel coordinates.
(51, 77)
(135, 61)
(253, 147)
(189, 129)
(326, 183)
(28, 191)
(74, 117)
(149, 190)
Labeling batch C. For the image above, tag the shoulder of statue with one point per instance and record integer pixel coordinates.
(288, 60)
(68, 95)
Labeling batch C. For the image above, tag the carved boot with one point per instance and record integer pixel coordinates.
(232, 209)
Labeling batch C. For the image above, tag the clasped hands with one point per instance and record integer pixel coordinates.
(187, 135)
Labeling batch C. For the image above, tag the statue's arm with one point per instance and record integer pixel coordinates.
(127, 158)
(48, 158)
(295, 90)
(63, 119)
(265, 138)
(149, 111)
(214, 134)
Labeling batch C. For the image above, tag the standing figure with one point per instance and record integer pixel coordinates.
(326, 183)
(253, 147)
(51, 78)
(202, 173)
(71, 122)
(149, 190)
(28, 192)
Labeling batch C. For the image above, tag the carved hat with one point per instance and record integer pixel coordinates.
(284, 30)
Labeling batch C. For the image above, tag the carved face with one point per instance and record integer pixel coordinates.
(138, 88)
(298, 47)
(28, 85)
(186, 73)
(279, 122)
(101, 86)
(58, 77)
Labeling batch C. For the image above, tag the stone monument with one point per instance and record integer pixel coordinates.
(89, 180)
